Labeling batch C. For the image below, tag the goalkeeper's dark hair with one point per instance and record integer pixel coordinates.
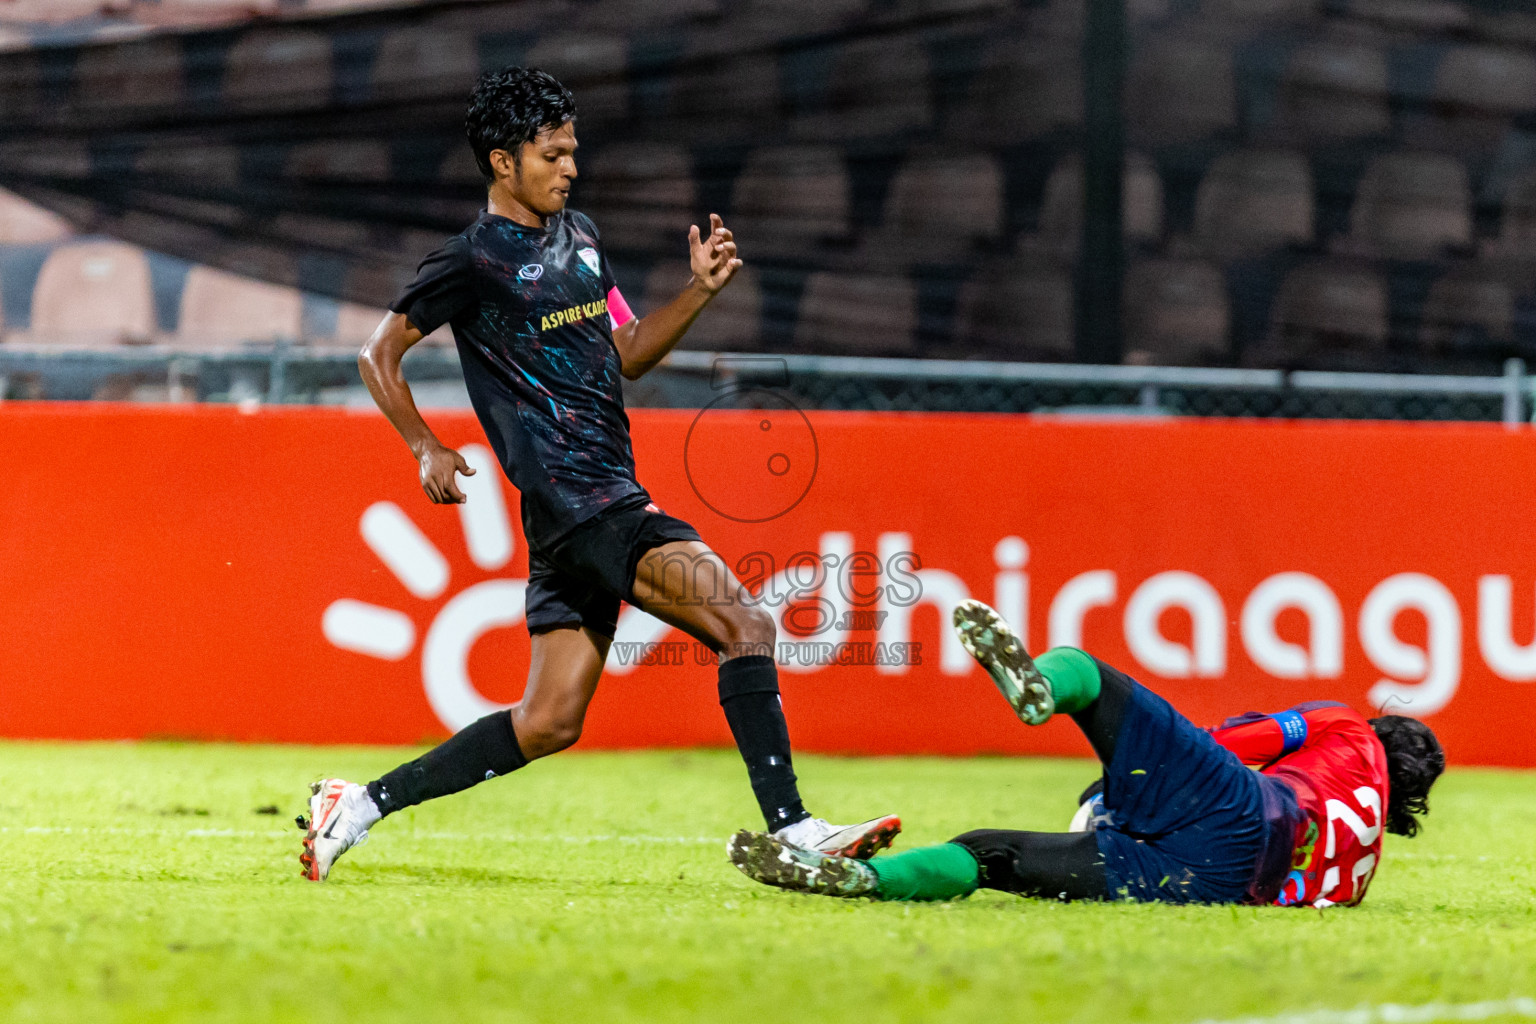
(511, 107)
(1414, 762)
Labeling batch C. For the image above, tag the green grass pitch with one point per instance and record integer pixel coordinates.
(141, 883)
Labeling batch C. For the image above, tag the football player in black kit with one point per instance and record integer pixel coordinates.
(544, 337)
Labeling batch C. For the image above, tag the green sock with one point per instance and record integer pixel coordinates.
(1074, 678)
(930, 873)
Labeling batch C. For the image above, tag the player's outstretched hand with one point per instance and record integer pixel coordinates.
(713, 259)
(438, 464)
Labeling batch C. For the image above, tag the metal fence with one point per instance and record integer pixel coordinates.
(287, 374)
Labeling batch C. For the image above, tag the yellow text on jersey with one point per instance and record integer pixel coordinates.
(572, 314)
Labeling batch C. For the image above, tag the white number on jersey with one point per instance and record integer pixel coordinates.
(1361, 871)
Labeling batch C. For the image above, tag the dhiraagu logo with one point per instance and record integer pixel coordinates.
(390, 634)
(423, 571)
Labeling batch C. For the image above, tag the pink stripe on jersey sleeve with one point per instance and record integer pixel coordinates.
(618, 310)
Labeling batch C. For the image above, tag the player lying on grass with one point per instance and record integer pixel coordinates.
(1178, 816)
(544, 337)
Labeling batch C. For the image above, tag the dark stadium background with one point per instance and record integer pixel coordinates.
(1305, 184)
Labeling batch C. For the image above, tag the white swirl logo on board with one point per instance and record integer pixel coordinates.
(390, 634)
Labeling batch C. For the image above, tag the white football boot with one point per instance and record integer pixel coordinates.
(340, 814)
(860, 842)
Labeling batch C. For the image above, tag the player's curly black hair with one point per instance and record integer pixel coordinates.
(1414, 762)
(510, 107)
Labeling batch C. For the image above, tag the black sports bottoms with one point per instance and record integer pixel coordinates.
(580, 579)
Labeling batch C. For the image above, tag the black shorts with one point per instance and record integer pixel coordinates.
(580, 579)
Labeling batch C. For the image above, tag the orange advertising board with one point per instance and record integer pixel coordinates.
(203, 572)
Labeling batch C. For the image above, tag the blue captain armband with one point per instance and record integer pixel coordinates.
(1293, 729)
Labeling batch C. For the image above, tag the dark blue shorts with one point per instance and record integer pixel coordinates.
(580, 579)
(1188, 822)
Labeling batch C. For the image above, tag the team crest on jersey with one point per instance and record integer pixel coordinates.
(531, 272)
(589, 257)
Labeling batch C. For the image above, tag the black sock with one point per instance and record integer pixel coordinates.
(481, 750)
(749, 693)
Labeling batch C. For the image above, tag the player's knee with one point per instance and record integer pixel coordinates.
(545, 735)
(751, 627)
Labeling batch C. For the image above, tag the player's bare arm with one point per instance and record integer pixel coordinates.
(645, 342)
(379, 364)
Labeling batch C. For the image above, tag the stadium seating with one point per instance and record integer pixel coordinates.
(1422, 16)
(1176, 312)
(801, 15)
(1250, 12)
(857, 314)
(1468, 312)
(51, 158)
(1517, 227)
(168, 13)
(887, 149)
(262, 261)
(1023, 89)
(459, 167)
(200, 165)
(624, 15)
(329, 6)
(426, 60)
(220, 309)
(726, 83)
(940, 7)
(1062, 21)
(21, 91)
(1253, 201)
(352, 160)
(592, 64)
(300, 59)
(1412, 205)
(1335, 88)
(641, 195)
(323, 232)
(52, 12)
(23, 223)
(1179, 89)
(114, 76)
(1061, 209)
(355, 324)
(1477, 90)
(940, 203)
(789, 197)
(1329, 304)
(881, 85)
(1016, 309)
(93, 293)
(731, 323)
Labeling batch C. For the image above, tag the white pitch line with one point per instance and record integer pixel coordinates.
(450, 837)
(1397, 1013)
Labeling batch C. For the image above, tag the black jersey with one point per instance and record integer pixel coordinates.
(532, 312)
